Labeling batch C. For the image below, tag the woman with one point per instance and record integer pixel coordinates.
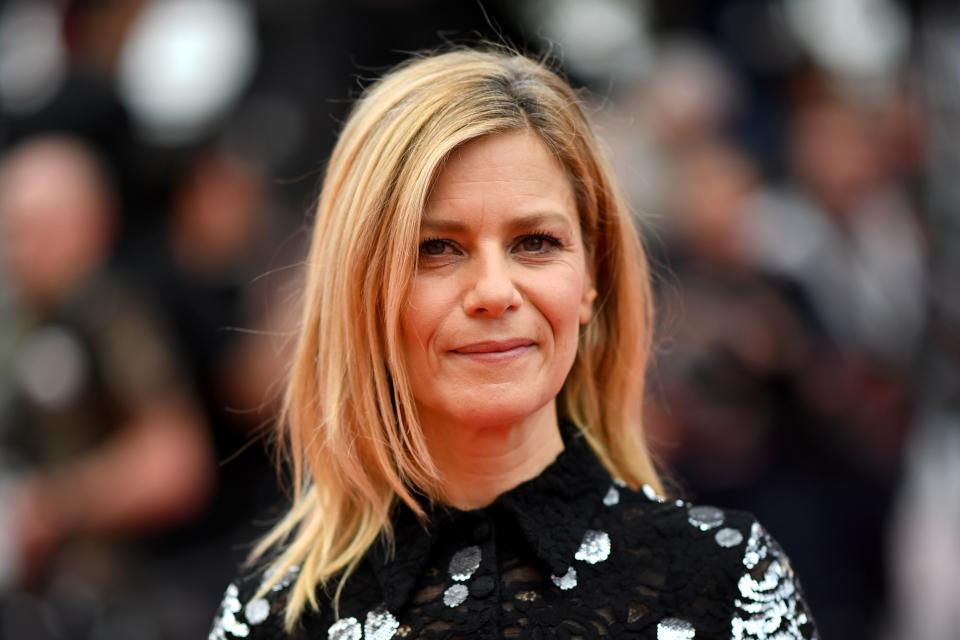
(463, 412)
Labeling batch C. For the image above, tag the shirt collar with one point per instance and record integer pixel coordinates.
(553, 511)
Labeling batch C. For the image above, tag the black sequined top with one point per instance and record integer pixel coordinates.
(571, 553)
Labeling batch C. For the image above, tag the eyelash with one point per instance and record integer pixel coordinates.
(541, 235)
(545, 236)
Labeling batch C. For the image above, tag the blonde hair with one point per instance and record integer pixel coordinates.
(349, 423)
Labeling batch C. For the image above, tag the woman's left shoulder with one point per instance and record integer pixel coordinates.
(727, 553)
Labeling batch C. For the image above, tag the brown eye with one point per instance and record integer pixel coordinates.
(433, 247)
(537, 243)
(532, 243)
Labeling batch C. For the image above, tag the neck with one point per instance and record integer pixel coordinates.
(478, 463)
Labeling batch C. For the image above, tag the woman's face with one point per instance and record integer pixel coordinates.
(502, 285)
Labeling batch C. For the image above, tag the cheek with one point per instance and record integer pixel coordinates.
(559, 302)
(421, 319)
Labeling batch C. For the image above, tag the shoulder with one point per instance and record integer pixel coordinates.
(244, 612)
(723, 556)
(697, 528)
(769, 598)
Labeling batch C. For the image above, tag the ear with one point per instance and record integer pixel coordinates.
(589, 295)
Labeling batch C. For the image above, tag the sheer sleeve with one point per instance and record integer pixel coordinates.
(768, 602)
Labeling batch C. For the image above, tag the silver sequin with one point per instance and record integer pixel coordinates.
(594, 548)
(380, 625)
(769, 606)
(285, 581)
(567, 581)
(651, 493)
(345, 629)
(464, 563)
(226, 622)
(612, 497)
(256, 611)
(728, 537)
(675, 629)
(705, 518)
(455, 595)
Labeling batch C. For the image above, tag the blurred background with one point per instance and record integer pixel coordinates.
(794, 166)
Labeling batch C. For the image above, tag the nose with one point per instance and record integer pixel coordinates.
(492, 291)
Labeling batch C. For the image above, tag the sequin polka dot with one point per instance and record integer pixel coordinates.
(675, 629)
(256, 611)
(455, 595)
(705, 518)
(380, 625)
(227, 622)
(728, 537)
(285, 581)
(345, 629)
(567, 581)
(651, 493)
(612, 497)
(464, 563)
(594, 548)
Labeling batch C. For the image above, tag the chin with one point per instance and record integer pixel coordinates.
(495, 409)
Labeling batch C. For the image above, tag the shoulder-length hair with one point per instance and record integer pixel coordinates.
(349, 424)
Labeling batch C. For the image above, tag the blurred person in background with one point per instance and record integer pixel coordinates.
(788, 318)
(729, 334)
(102, 438)
(729, 405)
(923, 550)
(688, 99)
(208, 276)
(843, 231)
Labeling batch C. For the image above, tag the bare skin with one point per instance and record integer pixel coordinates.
(494, 315)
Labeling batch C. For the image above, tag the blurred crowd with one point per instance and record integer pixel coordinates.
(158, 159)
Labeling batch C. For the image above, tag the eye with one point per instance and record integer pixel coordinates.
(435, 247)
(538, 243)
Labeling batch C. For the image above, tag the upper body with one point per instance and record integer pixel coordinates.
(103, 438)
(467, 383)
(571, 553)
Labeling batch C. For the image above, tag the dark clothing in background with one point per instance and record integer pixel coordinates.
(76, 378)
(83, 371)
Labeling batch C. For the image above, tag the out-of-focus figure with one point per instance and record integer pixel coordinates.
(101, 437)
(730, 335)
(788, 319)
(209, 274)
(845, 232)
(924, 550)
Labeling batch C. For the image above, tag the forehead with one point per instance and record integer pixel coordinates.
(502, 175)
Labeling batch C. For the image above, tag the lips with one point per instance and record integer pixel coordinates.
(494, 346)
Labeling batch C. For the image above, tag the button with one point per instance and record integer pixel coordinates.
(481, 587)
(481, 531)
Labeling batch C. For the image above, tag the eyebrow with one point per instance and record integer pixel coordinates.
(522, 222)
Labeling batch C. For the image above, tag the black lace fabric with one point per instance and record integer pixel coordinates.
(569, 554)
